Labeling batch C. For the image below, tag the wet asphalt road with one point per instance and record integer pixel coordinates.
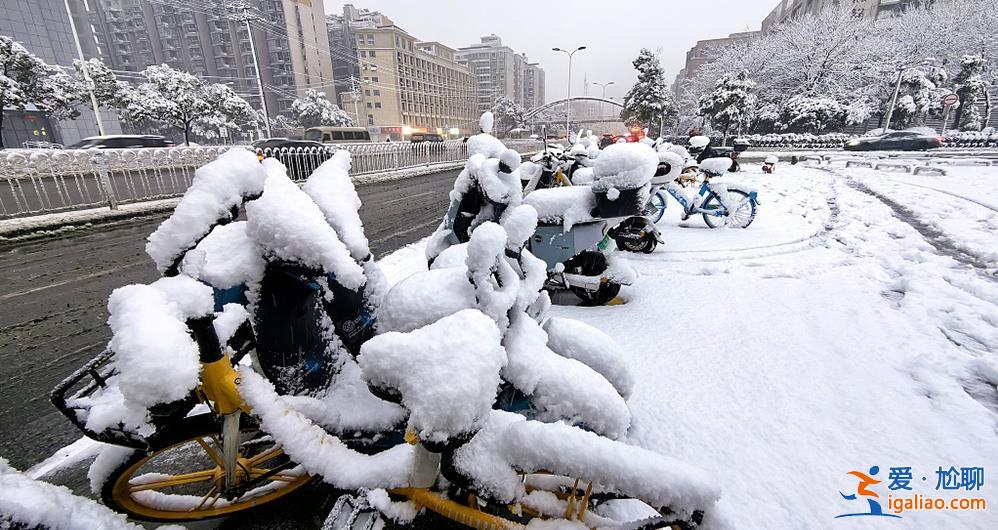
(53, 296)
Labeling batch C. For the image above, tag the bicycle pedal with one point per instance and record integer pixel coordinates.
(353, 512)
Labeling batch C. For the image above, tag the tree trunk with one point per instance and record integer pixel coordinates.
(987, 107)
(187, 129)
(2, 102)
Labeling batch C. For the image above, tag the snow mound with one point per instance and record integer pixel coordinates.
(590, 346)
(486, 122)
(289, 226)
(447, 372)
(37, 504)
(625, 167)
(333, 191)
(509, 443)
(218, 186)
(453, 256)
(225, 258)
(569, 205)
(426, 297)
(559, 387)
(583, 176)
(715, 166)
(156, 358)
(486, 145)
(319, 452)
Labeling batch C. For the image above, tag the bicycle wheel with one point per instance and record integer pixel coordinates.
(741, 217)
(181, 479)
(655, 208)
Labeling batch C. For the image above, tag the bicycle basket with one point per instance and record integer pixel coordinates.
(69, 397)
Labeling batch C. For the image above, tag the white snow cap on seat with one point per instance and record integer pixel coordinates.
(447, 372)
(426, 297)
(571, 204)
(772, 159)
(217, 187)
(715, 166)
(225, 258)
(625, 167)
(331, 189)
(288, 225)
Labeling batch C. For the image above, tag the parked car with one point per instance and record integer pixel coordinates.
(301, 157)
(425, 137)
(32, 144)
(122, 141)
(912, 140)
(337, 135)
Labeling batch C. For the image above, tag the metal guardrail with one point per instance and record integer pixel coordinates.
(34, 182)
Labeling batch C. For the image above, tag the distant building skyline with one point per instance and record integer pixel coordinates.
(499, 71)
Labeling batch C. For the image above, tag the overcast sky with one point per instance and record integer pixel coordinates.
(613, 30)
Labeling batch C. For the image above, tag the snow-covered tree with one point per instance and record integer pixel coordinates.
(314, 110)
(27, 80)
(649, 99)
(921, 94)
(812, 114)
(108, 90)
(508, 115)
(971, 87)
(182, 100)
(730, 104)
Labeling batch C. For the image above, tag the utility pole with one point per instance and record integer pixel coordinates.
(85, 70)
(245, 17)
(568, 113)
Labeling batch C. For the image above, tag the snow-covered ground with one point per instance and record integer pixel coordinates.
(832, 335)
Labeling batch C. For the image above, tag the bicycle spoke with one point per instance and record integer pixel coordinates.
(210, 452)
(265, 456)
(174, 480)
(212, 491)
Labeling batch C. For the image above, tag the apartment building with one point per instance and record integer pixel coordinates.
(704, 51)
(211, 41)
(341, 30)
(789, 9)
(408, 85)
(533, 86)
(501, 72)
(43, 27)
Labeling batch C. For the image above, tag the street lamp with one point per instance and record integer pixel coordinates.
(603, 86)
(568, 113)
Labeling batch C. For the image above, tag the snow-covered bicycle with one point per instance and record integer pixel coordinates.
(469, 402)
(721, 204)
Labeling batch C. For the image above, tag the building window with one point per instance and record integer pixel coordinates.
(367, 92)
(374, 79)
(370, 119)
(377, 105)
(369, 105)
(377, 92)
(363, 53)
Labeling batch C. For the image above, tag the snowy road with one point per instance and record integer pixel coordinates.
(54, 294)
(854, 324)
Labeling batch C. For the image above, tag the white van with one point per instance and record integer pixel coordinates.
(337, 135)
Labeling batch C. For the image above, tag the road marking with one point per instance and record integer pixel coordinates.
(71, 280)
(408, 197)
(402, 233)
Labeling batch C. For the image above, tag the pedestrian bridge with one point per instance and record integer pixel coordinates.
(600, 115)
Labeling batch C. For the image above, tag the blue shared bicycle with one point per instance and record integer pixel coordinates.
(723, 205)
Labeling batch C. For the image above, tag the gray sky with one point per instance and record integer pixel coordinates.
(613, 30)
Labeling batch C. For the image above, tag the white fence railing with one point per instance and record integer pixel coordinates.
(34, 182)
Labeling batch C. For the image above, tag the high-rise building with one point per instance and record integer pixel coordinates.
(211, 42)
(408, 85)
(533, 86)
(42, 26)
(704, 51)
(500, 72)
(341, 30)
